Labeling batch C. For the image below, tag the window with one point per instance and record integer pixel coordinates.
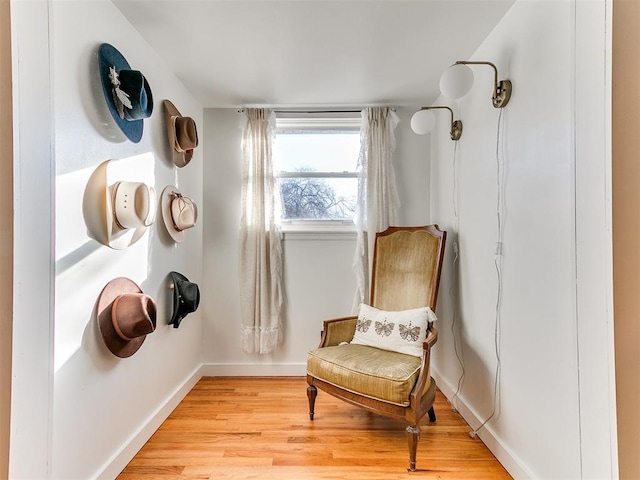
(316, 160)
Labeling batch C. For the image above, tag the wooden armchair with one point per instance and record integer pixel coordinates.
(406, 270)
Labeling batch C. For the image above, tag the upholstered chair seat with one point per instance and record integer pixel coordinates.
(385, 376)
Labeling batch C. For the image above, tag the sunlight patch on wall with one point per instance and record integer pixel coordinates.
(83, 265)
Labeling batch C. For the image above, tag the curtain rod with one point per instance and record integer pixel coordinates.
(315, 111)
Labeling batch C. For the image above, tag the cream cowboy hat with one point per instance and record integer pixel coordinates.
(117, 215)
(178, 212)
(182, 134)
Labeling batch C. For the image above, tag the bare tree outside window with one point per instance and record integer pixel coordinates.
(305, 198)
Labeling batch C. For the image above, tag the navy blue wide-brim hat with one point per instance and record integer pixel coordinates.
(132, 84)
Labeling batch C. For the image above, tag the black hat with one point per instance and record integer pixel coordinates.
(186, 297)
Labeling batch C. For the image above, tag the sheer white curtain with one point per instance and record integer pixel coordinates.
(378, 201)
(260, 238)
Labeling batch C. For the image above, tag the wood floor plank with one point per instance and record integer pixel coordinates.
(259, 428)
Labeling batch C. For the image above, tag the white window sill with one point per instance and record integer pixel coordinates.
(318, 230)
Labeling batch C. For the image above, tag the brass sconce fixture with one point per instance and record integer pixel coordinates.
(457, 80)
(423, 121)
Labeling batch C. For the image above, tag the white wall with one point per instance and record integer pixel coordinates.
(103, 407)
(319, 279)
(546, 405)
(32, 355)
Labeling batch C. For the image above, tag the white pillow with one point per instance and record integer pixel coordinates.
(401, 331)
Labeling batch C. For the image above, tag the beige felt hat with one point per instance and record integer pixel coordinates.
(182, 134)
(125, 316)
(178, 212)
(117, 215)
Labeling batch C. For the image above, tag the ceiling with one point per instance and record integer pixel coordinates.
(313, 53)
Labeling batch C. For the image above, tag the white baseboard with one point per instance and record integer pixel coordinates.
(129, 449)
(254, 370)
(505, 456)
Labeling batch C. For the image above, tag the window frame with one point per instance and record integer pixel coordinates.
(309, 123)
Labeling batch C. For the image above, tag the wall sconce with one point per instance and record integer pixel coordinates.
(457, 80)
(423, 121)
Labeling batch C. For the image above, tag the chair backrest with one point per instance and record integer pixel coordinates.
(407, 262)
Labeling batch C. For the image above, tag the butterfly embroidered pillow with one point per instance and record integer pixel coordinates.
(400, 331)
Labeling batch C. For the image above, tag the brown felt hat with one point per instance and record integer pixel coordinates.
(182, 134)
(125, 316)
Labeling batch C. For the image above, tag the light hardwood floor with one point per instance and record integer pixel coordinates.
(259, 428)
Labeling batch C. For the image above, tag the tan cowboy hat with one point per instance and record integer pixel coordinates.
(117, 215)
(182, 134)
(178, 212)
(125, 316)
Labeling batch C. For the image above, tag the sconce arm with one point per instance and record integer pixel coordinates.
(495, 69)
(438, 106)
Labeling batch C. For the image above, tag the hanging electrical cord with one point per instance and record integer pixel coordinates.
(453, 290)
(498, 265)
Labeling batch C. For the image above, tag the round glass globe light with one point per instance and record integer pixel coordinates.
(423, 121)
(456, 81)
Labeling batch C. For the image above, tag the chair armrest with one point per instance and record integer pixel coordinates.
(425, 371)
(338, 330)
(432, 338)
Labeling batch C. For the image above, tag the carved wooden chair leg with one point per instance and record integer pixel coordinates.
(413, 435)
(432, 415)
(312, 392)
